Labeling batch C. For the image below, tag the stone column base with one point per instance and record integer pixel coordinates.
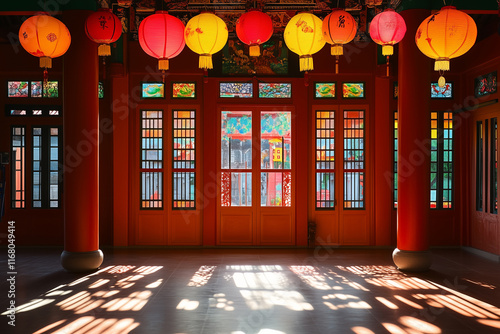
(78, 262)
(412, 260)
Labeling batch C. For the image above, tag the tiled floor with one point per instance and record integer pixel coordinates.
(253, 291)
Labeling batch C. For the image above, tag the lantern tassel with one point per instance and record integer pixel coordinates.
(306, 63)
(254, 51)
(205, 61)
(337, 50)
(104, 50)
(336, 64)
(442, 64)
(45, 80)
(387, 63)
(45, 62)
(163, 64)
(387, 50)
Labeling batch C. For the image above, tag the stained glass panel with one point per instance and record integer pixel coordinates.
(17, 88)
(445, 92)
(184, 90)
(51, 89)
(236, 140)
(353, 90)
(276, 130)
(275, 90)
(36, 89)
(325, 90)
(485, 84)
(153, 90)
(236, 89)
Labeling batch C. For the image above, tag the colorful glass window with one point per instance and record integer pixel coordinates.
(325, 159)
(479, 166)
(18, 167)
(276, 144)
(18, 112)
(184, 159)
(45, 167)
(236, 158)
(275, 90)
(100, 90)
(184, 90)
(395, 180)
(354, 159)
(37, 167)
(447, 165)
(494, 167)
(445, 92)
(36, 89)
(17, 88)
(153, 90)
(51, 89)
(434, 159)
(236, 89)
(324, 90)
(353, 90)
(485, 84)
(151, 170)
(441, 173)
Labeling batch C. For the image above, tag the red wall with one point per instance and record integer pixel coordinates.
(117, 150)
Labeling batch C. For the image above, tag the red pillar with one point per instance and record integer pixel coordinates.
(81, 149)
(414, 71)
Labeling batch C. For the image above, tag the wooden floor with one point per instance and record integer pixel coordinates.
(270, 291)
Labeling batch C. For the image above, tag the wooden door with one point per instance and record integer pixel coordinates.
(168, 171)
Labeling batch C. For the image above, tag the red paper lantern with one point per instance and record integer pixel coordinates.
(162, 36)
(104, 28)
(254, 28)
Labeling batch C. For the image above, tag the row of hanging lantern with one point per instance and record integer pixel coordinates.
(446, 34)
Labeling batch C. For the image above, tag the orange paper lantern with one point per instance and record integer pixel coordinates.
(446, 34)
(104, 28)
(339, 28)
(45, 37)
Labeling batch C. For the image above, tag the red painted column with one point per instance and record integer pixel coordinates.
(81, 149)
(414, 71)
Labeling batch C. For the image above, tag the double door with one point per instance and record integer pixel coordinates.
(256, 200)
(341, 180)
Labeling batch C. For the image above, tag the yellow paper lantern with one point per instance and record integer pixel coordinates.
(206, 34)
(446, 34)
(303, 35)
(45, 37)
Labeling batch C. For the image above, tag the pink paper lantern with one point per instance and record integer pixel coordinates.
(387, 28)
